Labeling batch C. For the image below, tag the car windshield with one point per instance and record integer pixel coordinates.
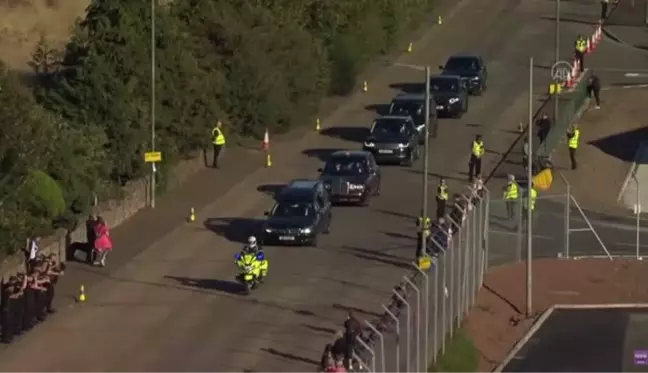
(444, 85)
(286, 210)
(407, 107)
(345, 166)
(462, 63)
(391, 127)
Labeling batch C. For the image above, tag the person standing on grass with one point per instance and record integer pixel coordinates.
(103, 243)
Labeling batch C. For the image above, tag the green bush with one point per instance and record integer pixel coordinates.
(460, 356)
(253, 64)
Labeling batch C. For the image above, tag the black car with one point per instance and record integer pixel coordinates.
(351, 176)
(414, 106)
(450, 94)
(301, 213)
(471, 69)
(394, 138)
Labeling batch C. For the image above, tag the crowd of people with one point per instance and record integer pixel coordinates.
(26, 298)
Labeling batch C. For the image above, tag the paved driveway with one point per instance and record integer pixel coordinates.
(171, 305)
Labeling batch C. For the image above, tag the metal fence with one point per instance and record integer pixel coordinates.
(429, 305)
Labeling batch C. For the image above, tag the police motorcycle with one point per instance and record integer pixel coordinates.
(252, 266)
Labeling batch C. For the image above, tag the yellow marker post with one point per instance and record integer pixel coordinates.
(409, 48)
(192, 215)
(440, 20)
(268, 160)
(365, 88)
(82, 294)
(317, 125)
(152, 157)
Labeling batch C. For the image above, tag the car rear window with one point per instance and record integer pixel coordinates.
(444, 85)
(462, 63)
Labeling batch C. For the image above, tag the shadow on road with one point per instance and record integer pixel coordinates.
(436, 175)
(225, 286)
(372, 252)
(355, 134)
(409, 87)
(395, 263)
(319, 329)
(342, 307)
(622, 145)
(271, 189)
(234, 229)
(380, 109)
(321, 154)
(569, 20)
(397, 214)
(399, 235)
(290, 356)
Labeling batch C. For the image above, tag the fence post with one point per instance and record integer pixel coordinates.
(382, 345)
(398, 336)
(408, 326)
(371, 351)
(362, 364)
(426, 306)
(518, 224)
(444, 303)
(487, 229)
(475, 262)
(454, 280)
(418, 322)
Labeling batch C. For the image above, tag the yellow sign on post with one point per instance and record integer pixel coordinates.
(152, 157)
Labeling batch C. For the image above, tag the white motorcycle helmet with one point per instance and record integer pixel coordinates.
(252, 242)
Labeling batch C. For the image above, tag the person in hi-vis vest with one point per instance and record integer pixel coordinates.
(218, 141)
(573, 137)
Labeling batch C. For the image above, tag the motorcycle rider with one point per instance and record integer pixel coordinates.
(252, 248)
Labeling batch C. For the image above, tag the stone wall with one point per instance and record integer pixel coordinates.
(114, 212)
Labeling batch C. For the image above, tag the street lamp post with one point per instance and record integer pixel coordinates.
(153, 101)
(426, 147)
(529, 258)
(556, 59)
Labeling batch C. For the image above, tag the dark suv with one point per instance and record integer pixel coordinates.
(450, 94)
(471, 69)
(394, 138)
(301, 213)
(414, 106)
(351, 176)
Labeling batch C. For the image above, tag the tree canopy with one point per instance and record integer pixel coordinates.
(80, 129)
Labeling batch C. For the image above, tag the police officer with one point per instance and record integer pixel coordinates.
(594, 89)
(511, 194)
(218, 141)
(573, 136)
(533, 194)
(441, 199)
(580, 49)
(423, 223)
(476, 154)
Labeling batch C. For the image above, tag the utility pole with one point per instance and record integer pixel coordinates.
(426, 144)
(529, 258)
(556, 59)
(153, 170)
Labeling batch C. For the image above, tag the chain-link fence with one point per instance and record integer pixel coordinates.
(429, 304)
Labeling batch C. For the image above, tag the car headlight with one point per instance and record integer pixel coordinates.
(453, 100)
(305, 230)
(356, 187)
(474, 78)
(369, 144)
(268, 230)
(403, 146)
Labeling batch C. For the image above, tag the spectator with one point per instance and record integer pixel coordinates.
(594, 88)
(90, 238)
(103, 243)
(544, 126)
(352, 329)
(31, 253)
(327, 358)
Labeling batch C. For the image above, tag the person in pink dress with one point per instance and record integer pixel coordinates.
(103, 242)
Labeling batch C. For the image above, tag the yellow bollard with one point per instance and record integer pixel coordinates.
(365, 88)
(268, 160)
(192, 215)
(317, 125)
(409, 48)
(82, 294)
(440, 20)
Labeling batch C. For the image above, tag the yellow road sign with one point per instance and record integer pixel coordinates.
(150, 157)
(543, 180)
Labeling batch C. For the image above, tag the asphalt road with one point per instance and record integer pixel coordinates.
(592, 340)
(168, 301)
